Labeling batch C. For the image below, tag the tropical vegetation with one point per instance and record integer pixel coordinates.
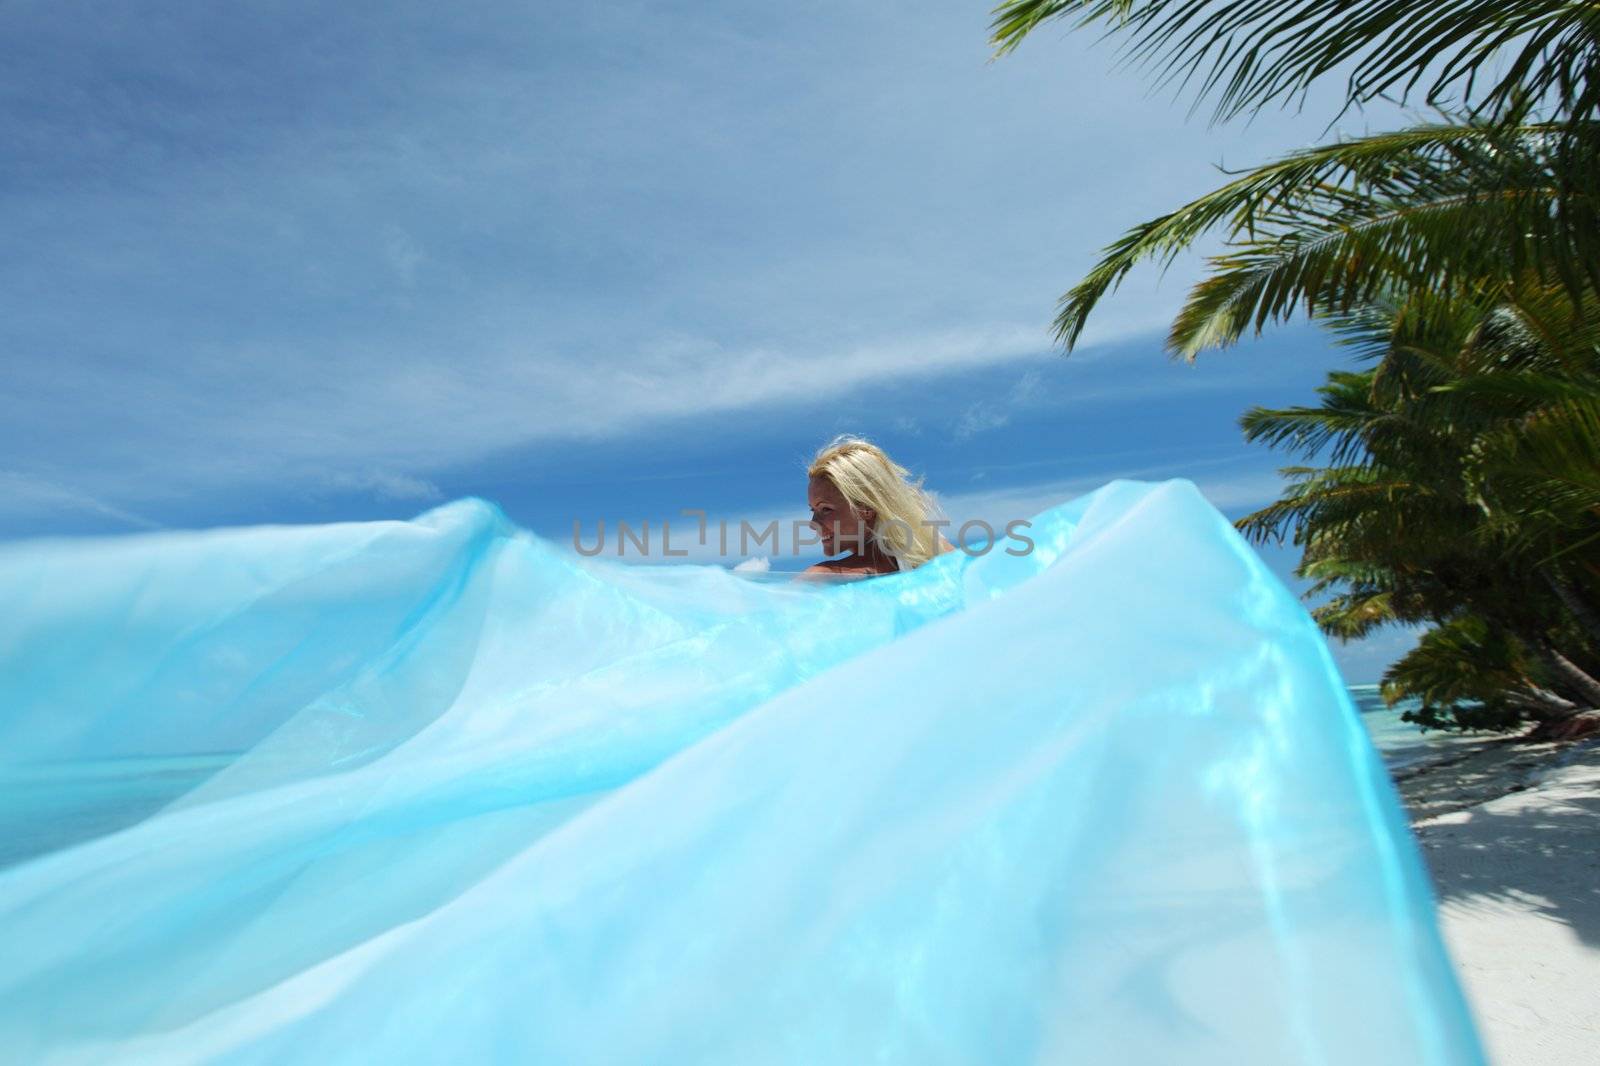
(1455, 482)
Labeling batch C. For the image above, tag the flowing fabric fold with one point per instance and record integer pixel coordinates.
(437, 791)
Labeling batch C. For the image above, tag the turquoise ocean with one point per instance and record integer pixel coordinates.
(1402, 744)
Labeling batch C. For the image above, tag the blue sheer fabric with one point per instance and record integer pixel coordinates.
(439, 791)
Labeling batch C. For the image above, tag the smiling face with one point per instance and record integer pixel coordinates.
(841, 526)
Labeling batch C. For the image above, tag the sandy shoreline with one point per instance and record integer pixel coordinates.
(1511, 833)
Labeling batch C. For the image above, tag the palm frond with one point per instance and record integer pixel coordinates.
(1435, 206)
(1355, 615)
(1338, 425)
(1467, 674)
(1333, 264)
(1244, 54)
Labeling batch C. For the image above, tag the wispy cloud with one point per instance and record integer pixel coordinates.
(980, 418)
(986, 415)
(1028, 387)
(386, 485)
(23, 494)
(243, 266)
(383, 422)
(1224, 484)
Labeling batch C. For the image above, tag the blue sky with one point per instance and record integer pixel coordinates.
(285, 262)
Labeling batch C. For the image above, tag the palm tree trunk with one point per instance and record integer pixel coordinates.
(1571, 673)
(1575, 604)
(1541, 703)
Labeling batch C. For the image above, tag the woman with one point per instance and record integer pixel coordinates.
(864, 502)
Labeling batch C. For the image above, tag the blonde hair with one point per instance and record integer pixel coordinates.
(866, 477)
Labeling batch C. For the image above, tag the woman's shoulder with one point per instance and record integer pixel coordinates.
(840, 568)
(834, 567)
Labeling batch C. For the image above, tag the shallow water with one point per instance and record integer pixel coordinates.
(1402, 744)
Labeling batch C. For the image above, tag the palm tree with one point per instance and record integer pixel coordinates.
(1459, 490)
(1503, 189)
(1461, 485)
(1469, 675)
(1463, 471)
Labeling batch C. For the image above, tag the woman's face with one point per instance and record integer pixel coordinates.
(841, 527)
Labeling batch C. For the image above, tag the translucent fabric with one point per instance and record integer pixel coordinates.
(439, 791)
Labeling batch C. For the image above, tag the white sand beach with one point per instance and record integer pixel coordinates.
(1512, 835)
